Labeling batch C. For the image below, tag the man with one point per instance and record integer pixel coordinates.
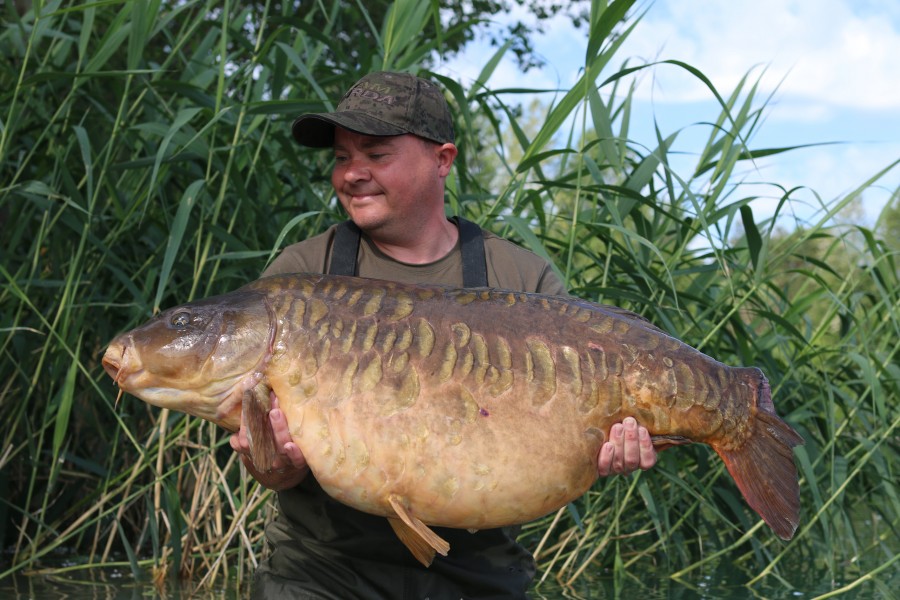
(392, 137)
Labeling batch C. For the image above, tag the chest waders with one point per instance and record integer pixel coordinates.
(471, 246)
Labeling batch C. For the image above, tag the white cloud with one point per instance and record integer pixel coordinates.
(831, 66)
(801, 112)
(821, 175)
(822, 52)
(833, 51)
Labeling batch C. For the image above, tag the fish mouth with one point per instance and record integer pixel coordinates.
(113, 360)
(117, 365)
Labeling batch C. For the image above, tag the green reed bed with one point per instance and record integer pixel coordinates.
(146, 160)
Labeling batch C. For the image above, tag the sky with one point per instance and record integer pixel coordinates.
(831, 67)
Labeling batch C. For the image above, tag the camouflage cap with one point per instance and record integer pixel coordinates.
(382, 103)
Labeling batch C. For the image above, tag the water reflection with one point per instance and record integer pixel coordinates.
(725, 581)
(108, 584)
(807, 579)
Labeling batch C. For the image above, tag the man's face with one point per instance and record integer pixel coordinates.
(389, 185)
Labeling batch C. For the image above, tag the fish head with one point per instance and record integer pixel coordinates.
(198, 358)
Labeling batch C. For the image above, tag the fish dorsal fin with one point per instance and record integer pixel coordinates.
(255, 407)
(421, 540)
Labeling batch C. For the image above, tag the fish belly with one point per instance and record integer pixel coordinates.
(487, 470)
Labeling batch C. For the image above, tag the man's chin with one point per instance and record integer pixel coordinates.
(367, 219)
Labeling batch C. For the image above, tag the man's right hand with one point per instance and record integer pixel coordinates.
(289, 467)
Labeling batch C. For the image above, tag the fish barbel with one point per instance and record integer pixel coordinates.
(467, 408)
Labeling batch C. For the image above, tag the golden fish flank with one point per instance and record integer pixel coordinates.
(353, 361)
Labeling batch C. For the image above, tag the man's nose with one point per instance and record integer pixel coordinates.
(355, 170)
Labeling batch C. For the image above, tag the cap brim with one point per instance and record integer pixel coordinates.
(317, 130)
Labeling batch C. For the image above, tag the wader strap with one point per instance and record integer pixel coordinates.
(471, 246)
(345, 248)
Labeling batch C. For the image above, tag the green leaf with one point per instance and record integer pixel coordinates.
(176, 235)
(754, 240)
(84, 144)
(181, 119)
(63, 414)
(136, 571)
(138, 38)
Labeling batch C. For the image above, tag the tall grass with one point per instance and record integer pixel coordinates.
(145, 160)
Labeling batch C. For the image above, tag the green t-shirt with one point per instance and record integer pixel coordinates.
(509, 266)
(324, 549)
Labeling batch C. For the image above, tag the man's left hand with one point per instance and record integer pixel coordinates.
(629, 448)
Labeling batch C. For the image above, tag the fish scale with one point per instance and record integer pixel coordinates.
(436, 406)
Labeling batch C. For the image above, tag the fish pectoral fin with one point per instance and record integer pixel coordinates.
(664, 442)
(255, 408)
(421, 540)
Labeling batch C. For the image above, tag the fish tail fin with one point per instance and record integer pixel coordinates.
(763, 466)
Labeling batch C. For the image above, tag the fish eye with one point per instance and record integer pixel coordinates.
(181, 319)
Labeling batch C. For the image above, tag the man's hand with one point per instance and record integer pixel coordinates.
(629, 448)
(289, 467)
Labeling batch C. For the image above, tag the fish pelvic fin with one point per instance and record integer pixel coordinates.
(764, 470)
(421, 540)
(664, 442)
(255, 407)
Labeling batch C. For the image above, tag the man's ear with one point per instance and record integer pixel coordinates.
(446, 154)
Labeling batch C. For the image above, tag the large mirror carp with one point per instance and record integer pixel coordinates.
(467, 408)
